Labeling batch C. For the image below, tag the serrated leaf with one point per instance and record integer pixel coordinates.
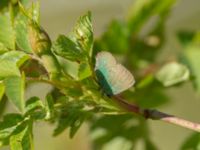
(8, 68)
(49, 107)
(14, 88)
(83, 33)
(192, 142)
(84, 70)
(67, 49)
(173, 73)
(7, 37)
(2, 90)
(16, 57)
(21, 139)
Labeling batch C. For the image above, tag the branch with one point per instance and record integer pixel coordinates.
(156, 115)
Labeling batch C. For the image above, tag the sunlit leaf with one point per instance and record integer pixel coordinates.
(14, 88)
(83, 33)
(6, 31)
(67, 49)
(21, 139)
(8, 68)
(16, 57)
(84, 70)
(173, 73)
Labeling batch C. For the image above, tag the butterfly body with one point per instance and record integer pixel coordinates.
(113, 77)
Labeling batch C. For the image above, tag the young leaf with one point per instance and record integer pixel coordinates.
(14, 87)
(67, 49)
(21, 139)
(84, 70)
(173, 73)
(6, 32)
(83, 33)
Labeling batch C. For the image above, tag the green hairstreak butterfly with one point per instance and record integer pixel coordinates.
(113, 77)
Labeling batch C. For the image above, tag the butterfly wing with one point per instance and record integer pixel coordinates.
(113, 78)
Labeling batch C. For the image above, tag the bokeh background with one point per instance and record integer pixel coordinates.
(58, 17)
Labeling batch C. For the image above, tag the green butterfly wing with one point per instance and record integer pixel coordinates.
(113, 78)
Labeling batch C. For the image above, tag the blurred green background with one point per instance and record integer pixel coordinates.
(59, 17)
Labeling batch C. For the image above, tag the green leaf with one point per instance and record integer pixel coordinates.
(14, 87)
(142, 10)
(33, 104)
(7, 37)
(72, 116)
(84, 71)
(21, 33)
(16, 57)
(2, 90)
(67, 49)
(192, 55)
(21, 139)
(115, 39)
(173, 73)
(8, 68)
(83, 33)
(49, 107)
(7, 126)
(192, 143)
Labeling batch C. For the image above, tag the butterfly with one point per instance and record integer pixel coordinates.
(113, 77)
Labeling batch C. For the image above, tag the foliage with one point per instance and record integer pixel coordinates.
(27, 54)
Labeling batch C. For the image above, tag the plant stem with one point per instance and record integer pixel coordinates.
(156, 115)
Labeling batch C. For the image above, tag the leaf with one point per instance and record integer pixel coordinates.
(8, 68)
(14, 87)
(115, 39)
(8, 125)
(83, 33)
(49, 107)
(21, 139)
(72, 116)
(84, 71)
(192, 142)
(192, 55)
(35, 109)
(33, 104)
(67, 49)
(2, 90)
(173, 73)
(6, 33)
(21, 33)
(16, 57)
(142, 10)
